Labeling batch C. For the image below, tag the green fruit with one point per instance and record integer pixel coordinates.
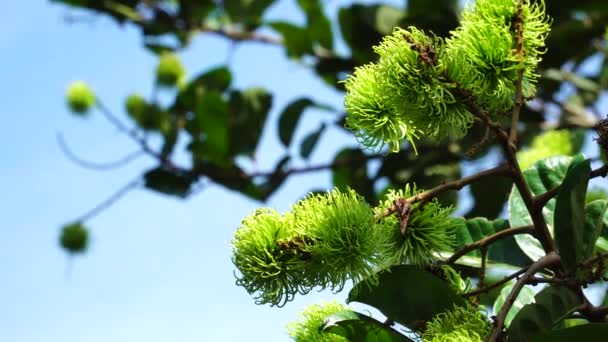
(80, 97)
(74, 238)
(169, 70)
(135, 106)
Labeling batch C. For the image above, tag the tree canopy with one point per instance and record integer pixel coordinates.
(429, 87)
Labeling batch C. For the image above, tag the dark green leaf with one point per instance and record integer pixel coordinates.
(248, 112)
(363, 26)
(593, 332)
(297, 39)
(212, 118)
(489, 204)
(351, 172)
(596, 219)
(247, 12)
(553, 304)
(319, 26)
(526, 296)
(290, 116)
(357, 327)
(542, 176)
(406, 293)
(168, 181)
(569, 217)
(309, 143)
(503, 251)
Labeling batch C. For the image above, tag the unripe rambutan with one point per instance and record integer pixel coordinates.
(74, 238)
(306, 328)
(169, 70)
(430, 229)
(463, 323)
(80, 98)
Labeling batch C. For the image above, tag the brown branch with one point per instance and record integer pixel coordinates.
(496, 284)
(509, 149)
(487, 240)
(458, 184)
(550, 259)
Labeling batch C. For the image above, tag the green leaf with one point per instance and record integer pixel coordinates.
(569, 217)
(169, 181)
(297, 39)
(489, 203)
(319, 26)
(406, 293)
(217, 79)
(593, 332)
(526, 296)
(363, 26)
(357, 327)
(213, 80)
(542, 176)
(553, 304)
(309, 143)
(596, 222)
(248, 112)
(504, 251)
(289, 118)
(247, 12)
(212, 118)
(352, 173)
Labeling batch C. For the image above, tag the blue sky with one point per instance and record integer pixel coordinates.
(158, 268)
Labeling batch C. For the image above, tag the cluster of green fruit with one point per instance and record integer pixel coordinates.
(419, 85)
(169, 73)
(326, 240)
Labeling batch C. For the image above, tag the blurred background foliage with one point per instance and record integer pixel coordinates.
(200, 114)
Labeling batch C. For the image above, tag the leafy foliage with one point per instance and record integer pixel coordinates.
(433, 92)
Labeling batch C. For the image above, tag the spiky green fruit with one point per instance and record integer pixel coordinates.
(342, 238)
(80, 98)
(429, 230)
(461, 324)
(169, 70)
(306, 328)
(267, 254)
(74, 238)
(322, 242)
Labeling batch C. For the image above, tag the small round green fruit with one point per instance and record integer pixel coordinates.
(74, 238)
(80, 97)
(169, 70)
(136, 106)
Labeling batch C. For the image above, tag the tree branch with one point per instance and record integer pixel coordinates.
(550, 259)
(496, 284)
(458, 184)
(487, 240)
(92, 165)
(110, 200)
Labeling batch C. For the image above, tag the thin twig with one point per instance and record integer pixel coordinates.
(496, 284)
(546, 261)
(487, 240)
(110, 200)
(457, 184)
(542, 199)
(67, 151)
